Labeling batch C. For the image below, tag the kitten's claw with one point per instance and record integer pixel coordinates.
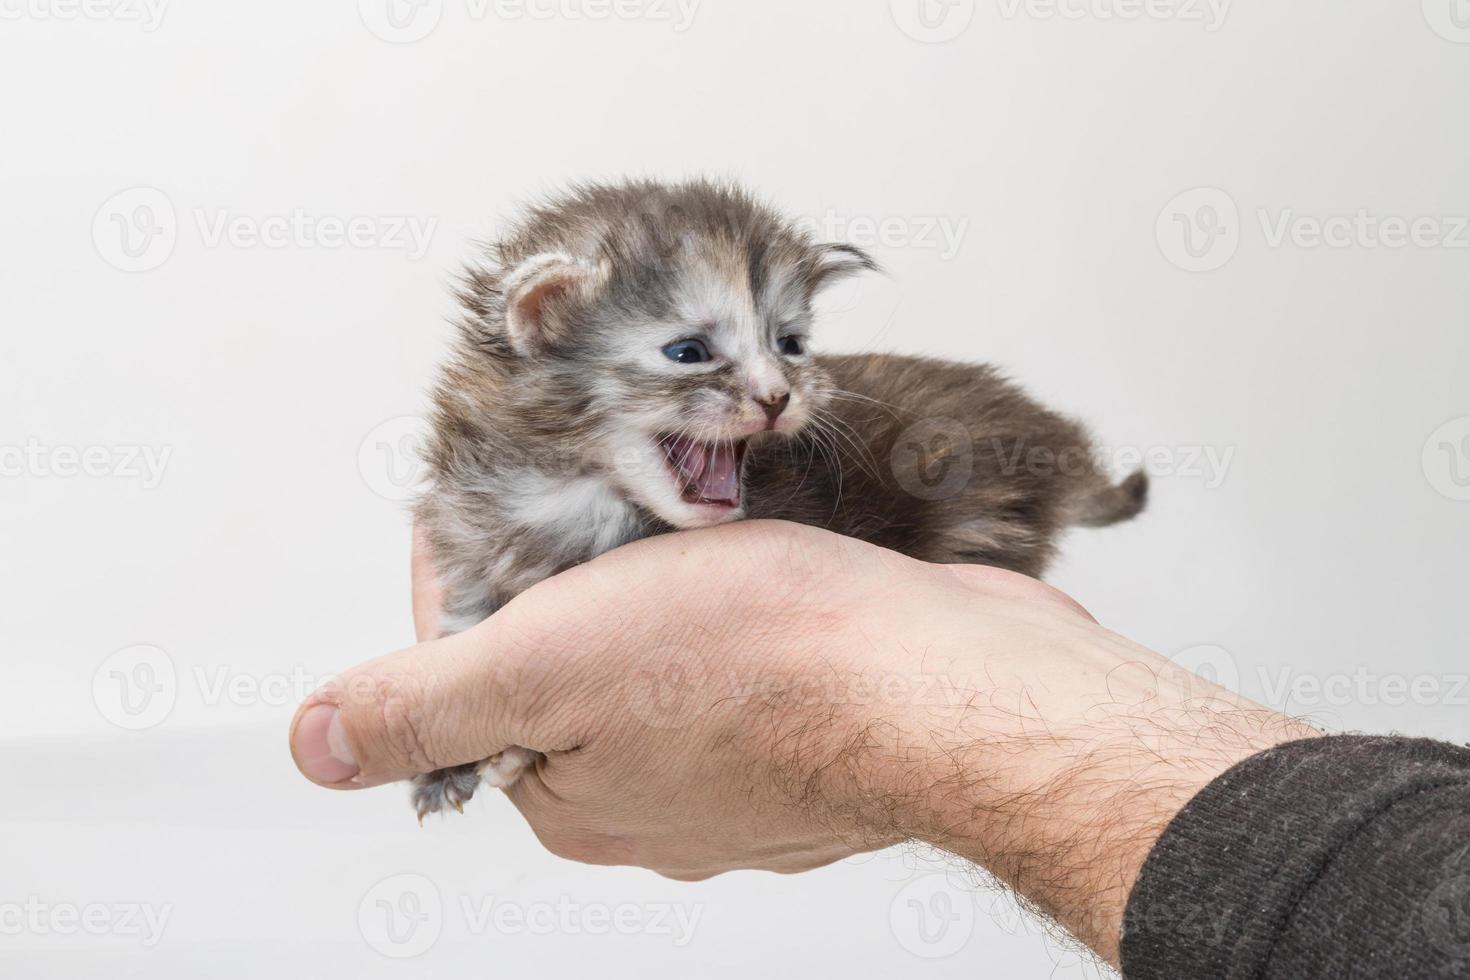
(455, 787)
(438, 791)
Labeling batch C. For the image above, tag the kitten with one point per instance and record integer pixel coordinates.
(635, 359)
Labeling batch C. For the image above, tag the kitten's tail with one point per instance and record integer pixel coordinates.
(1113, 504)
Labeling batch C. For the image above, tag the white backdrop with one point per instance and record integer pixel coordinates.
(1230, 235)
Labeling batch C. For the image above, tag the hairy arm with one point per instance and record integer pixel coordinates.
(773, 696)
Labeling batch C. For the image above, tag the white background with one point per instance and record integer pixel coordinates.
(1331, 549)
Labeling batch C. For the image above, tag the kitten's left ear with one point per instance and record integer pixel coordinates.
(537, 293)
(835, 263)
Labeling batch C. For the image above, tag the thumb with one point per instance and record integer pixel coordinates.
(439, 704)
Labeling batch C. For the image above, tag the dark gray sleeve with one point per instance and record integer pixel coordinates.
(1334, 858)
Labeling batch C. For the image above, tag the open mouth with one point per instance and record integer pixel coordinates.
(705, 473)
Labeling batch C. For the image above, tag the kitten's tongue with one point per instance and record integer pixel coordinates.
(712, 472)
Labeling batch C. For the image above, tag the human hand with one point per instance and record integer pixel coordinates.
(777, 697)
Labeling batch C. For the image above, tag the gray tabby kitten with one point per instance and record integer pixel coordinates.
(635, 359)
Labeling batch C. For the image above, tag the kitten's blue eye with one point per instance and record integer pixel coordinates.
(790, 346)
(687, 352)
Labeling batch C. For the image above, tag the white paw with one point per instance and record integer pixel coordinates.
(503, 770)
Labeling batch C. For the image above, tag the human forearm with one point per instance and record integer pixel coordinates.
(1063, 775)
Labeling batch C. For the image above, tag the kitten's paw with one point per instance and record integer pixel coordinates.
(438, 791)
(502, 771)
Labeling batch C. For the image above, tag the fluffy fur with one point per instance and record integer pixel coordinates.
(564, 429)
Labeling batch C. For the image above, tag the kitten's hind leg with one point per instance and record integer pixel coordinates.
(439, 791)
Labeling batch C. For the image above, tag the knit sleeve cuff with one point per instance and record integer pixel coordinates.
(1309, 860)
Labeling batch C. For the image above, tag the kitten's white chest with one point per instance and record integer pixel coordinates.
(584, 515)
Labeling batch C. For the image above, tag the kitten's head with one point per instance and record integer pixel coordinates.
(659, 329)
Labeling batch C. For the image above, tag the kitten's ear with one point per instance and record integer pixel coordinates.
(835, 263)
(536, 295)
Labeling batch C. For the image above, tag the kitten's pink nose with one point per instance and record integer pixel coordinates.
(773, 404)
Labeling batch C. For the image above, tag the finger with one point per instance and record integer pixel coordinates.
(440, 704)
(428, 597)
